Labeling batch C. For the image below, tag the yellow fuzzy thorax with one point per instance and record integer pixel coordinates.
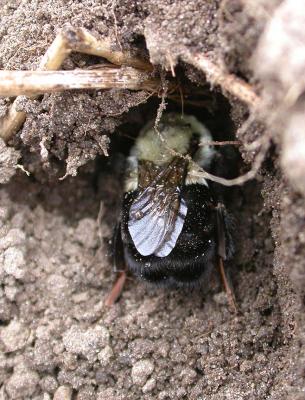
(175, 134)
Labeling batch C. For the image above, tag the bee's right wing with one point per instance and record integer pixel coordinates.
(157, 214)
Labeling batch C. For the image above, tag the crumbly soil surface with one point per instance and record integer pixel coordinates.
(57, 338)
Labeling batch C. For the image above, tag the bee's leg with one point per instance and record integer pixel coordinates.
(223, 248)
(116, 290)
(227, 286)
(119, 268)
(68, 40)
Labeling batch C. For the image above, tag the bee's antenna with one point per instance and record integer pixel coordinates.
(182, 100)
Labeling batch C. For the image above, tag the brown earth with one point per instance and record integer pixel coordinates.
(57, 339)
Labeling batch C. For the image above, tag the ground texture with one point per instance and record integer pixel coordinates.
(57, 339)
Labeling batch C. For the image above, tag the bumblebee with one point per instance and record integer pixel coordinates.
(173, 227)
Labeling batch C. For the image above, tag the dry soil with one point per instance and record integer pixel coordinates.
(57, 339)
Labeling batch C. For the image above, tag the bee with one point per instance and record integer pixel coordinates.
(173, 228)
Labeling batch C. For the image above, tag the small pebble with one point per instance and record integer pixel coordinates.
(149, 385)
(48, 384)
(14, 262)
(63, 393)
(188, 376)
(22, 383)
(220, 298)
(14, 336)
(88, 342)
(14, 237)
(141, 371)
(86, 233)
(105, 356)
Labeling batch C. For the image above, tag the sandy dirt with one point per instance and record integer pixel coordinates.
(57, 339)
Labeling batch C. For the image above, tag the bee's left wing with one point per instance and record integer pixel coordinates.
(157, 214)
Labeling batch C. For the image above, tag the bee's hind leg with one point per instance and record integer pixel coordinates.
(225, 247)
(116, 290)
(119, 268)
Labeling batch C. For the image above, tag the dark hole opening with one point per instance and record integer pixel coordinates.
(215, 116)
(240, 201)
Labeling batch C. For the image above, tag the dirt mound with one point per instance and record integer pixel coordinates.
(57, 339)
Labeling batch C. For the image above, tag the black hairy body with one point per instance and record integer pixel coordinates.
(196, 250)
(174, 228)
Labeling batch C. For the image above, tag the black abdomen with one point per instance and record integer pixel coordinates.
(195, 251)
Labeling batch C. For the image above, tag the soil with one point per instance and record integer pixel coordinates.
(57, 338)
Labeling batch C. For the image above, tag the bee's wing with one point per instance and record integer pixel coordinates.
(157, 214)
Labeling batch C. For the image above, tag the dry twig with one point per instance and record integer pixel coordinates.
(221, 143)
(29, 83)
(68, 40)
(162, 107)
(262, 144)
(240, 180)
(135, 76)
(228, 82)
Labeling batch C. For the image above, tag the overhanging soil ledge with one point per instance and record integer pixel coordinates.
(57, 339)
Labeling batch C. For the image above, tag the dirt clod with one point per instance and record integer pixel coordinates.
(63, 393)
(141, 370)
(8, 161)
(57, 338)
(14, 336)
(86, 343)
(22, 383)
